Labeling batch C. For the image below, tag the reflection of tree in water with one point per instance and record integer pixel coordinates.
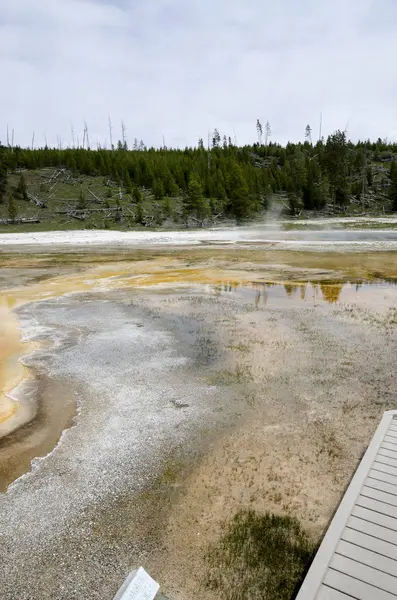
(289, 289)
(303, 288)
(331, 292)
(227, 286)
(257, 298)
(260, 292)
(230, 286)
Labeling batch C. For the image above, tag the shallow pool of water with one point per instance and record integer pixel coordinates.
(313, 293)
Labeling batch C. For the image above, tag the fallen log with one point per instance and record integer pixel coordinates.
(95, 196)
(36, 201)
(75, 215)
(85, 210)
(19, 221)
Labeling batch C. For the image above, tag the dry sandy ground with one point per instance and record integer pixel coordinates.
(315, 382)
(265, 396)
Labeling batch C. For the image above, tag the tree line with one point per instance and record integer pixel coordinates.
(228, 180)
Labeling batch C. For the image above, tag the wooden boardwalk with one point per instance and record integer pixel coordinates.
(358, 556)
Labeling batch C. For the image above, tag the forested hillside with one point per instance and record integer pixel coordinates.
(195, 186)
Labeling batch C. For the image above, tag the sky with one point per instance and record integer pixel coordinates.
(180, 68)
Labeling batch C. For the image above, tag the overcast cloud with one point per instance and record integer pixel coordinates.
(180, 68)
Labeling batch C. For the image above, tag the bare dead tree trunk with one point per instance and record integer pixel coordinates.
(110, 134)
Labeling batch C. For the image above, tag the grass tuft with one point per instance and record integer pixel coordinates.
(259, 557)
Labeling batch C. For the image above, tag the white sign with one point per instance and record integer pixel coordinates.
(138, 586)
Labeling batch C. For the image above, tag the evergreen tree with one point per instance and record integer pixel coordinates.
(3, 179)
(335, 162)
(158, 189)
(219, 189)
(259, 131)
(309, 191)
(136, 195)
(82, 203)
(216, 139)
(86, 165)
(322, 192)
(194, 202)
(393, 186)
(299, 172)
(168, 207)
(12, 208)
(21, 189)
(237, 192)
(173, 189)
(295, 203)
(139, 215)
(71, 163)
(127, 183)
(308, 134)
(137, 198)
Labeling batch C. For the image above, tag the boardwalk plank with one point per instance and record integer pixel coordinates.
(364, 573)
(327, 593)
(374, 517)
(382, 486)
(379, 495)
(390, 439)
(378, 531)
(376, 506)
(367, 557)
(383, 453)
(382, 476)
(370, 543)
(380, 464)
(355, 588)
(388, 446)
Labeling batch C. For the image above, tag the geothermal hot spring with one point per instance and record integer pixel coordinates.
(154, 384)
